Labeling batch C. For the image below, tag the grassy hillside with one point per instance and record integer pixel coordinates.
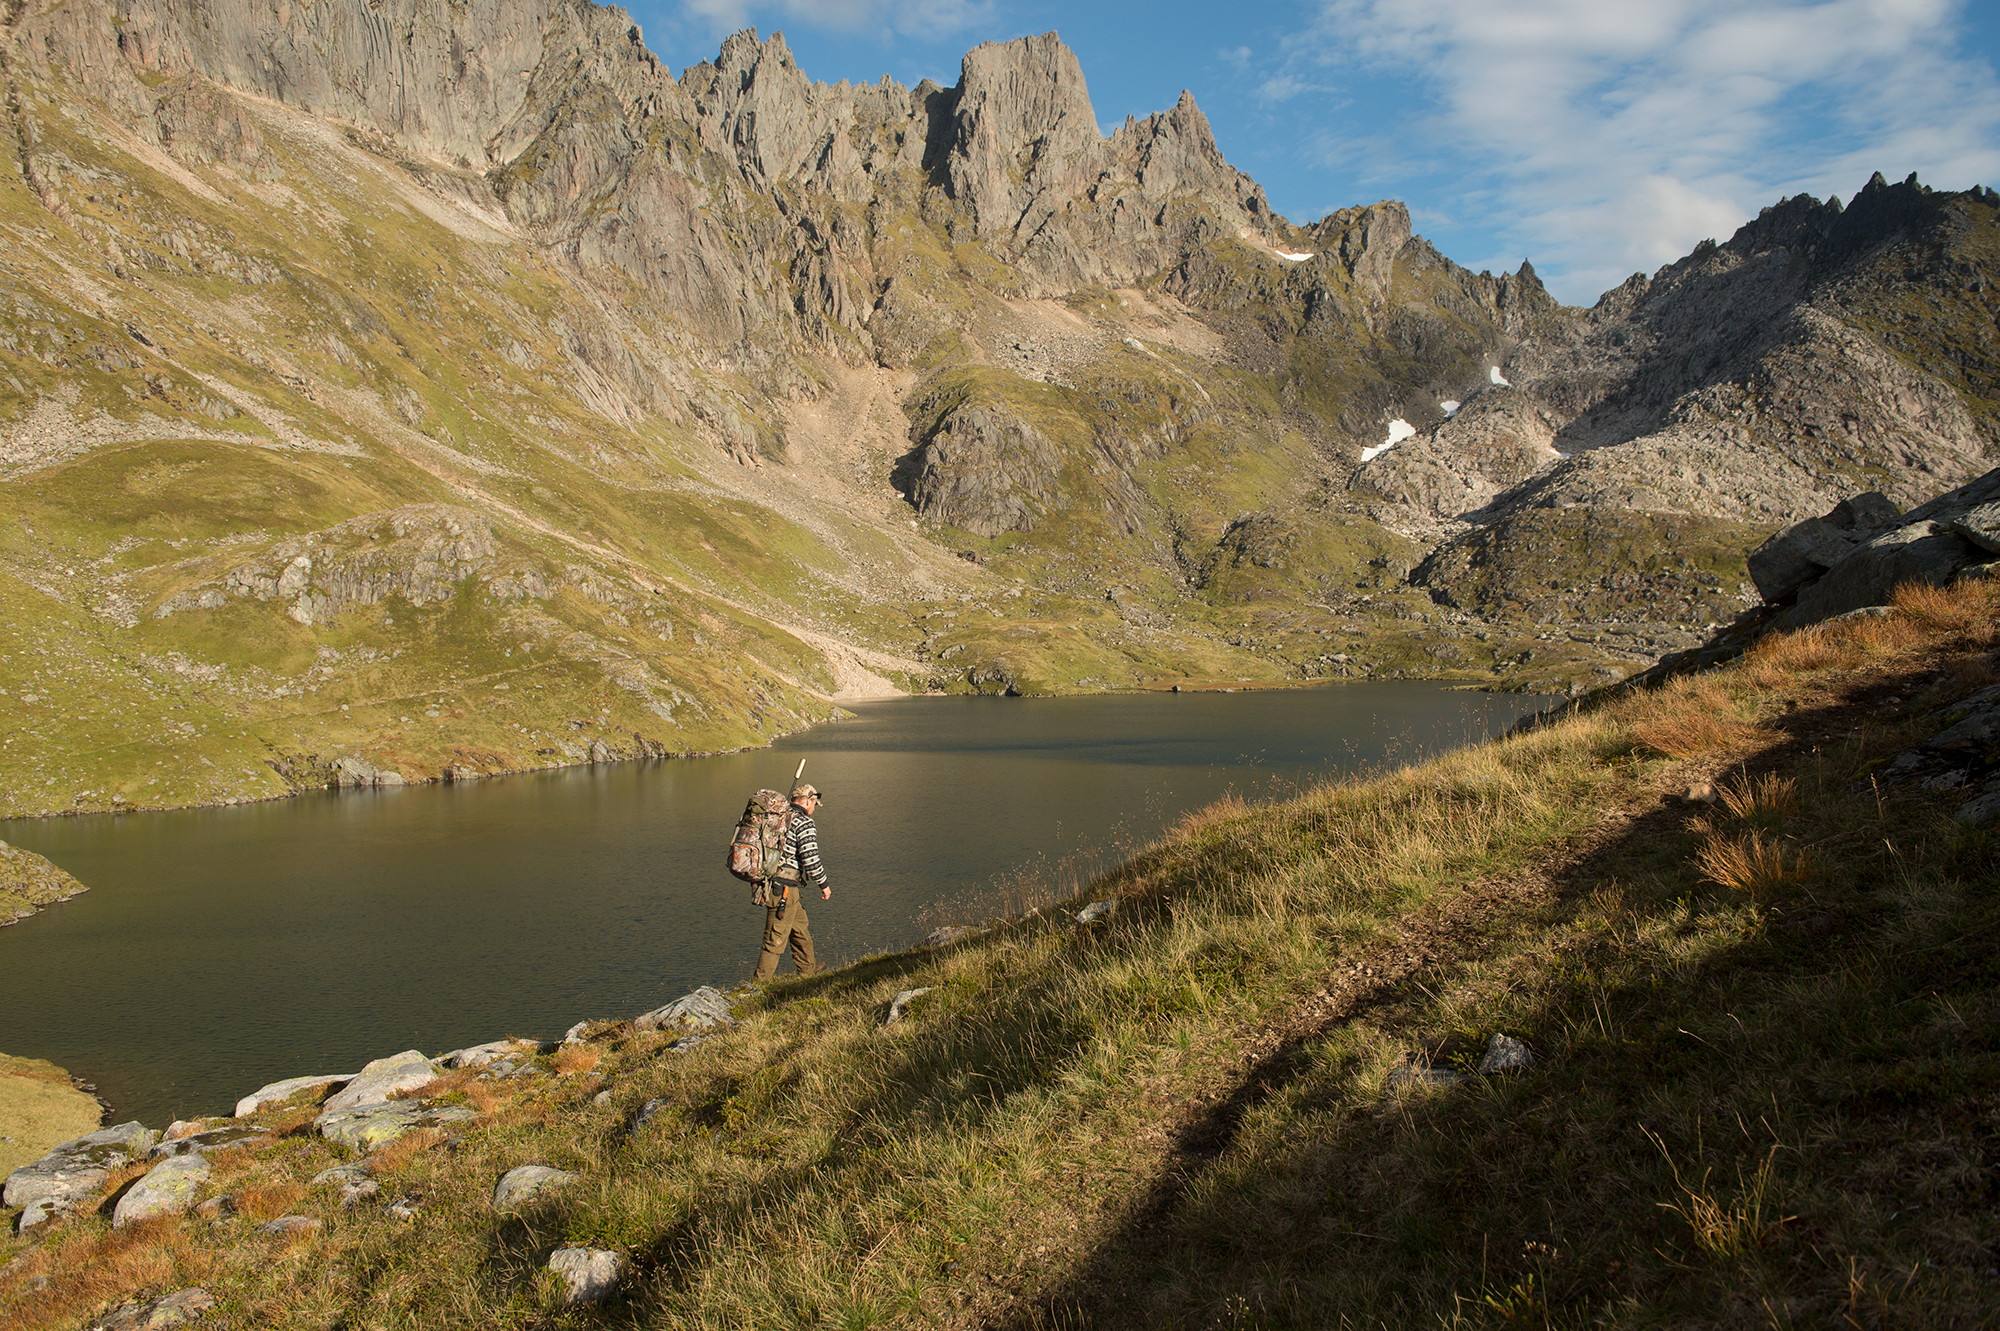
(1754, 975)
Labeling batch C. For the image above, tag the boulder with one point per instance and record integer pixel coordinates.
(289, 1224)
(479, 1055)
(1979, 525)
(279, 1091)
(949, 934)
(369, 1127)
(379, 1080)
(591, 1274)
(168, 1189)
(704, 1009)
(214, 1139)
(1796, 556)
(1922, 552)
(51, 1185)
(1407, 1077)
(357, 773)
(518, 1185)
(1095, 911)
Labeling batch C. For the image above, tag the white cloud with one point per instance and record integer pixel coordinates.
(1614, 134)
(918, 18)
(1239, 56)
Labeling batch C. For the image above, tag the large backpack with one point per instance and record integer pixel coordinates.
(758, 847)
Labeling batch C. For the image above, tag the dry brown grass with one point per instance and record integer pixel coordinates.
(1688, 717)
(577, 1058)
(1963, 610)
(99, 1268)
(1766, 800)
(269, 1199)
(1752, 863)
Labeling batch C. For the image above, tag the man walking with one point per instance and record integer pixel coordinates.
(798, 867)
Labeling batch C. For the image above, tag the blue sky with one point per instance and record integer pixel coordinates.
(1596, 137)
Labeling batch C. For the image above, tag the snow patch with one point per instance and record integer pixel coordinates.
(1295, 258)
(1493, 372)
(1449, 408)
(1399, 430)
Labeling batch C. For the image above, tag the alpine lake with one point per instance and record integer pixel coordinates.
(221, 949)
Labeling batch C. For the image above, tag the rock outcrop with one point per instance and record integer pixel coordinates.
(29, 882)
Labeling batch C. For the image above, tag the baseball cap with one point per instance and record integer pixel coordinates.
(807, 790)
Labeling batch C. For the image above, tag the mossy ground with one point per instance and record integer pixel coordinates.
(1752, 1102)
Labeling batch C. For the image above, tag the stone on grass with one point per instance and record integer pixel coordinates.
(371, 1127)
(592, 1274)
(353, 1194)
(53, 1184)
(647, 1113)
(379, 1080)
(279, 1091)
(899, 1006)
(176, 1309)
(344, 1175)
(703, 1010)
(289, 1224)
(574, 1035)
(1095, 911)
(479, 1055)
(519, 1184)
(404, 1209)
(949, 934)
(217, 1208)
(1504, 1054)
(1417, 1076)
(168, 1189)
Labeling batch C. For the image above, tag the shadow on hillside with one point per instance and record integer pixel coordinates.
(1366, 1196)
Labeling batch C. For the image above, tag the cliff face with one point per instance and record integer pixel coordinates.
(364, 358)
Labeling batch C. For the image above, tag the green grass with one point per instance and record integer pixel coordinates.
(1745, 1107)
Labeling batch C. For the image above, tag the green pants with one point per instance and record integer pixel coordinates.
(777, 933)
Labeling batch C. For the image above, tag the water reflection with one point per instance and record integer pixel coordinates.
(222, 948)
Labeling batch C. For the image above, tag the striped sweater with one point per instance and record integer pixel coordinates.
(800, 860)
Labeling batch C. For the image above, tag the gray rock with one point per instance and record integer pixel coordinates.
(354, 1194)
(370, 1127)
(280, 1091)
(290, 1224)
(217, 1208)
(1922, 552)
(649, 1111)
(519, 1184)
(167, 1189)
(1797, 555)
(574, 1035)
(591, 1274)
(357, 773)
(602, 1099)
(1978, 812)
(344, 1175)
(704, 1009)
(375, 1083)
(215, 1139)
(73, 1170)
(1095, 911)
(405, 1209)
(169, 1310)
(480, 1055)
(1407, 1077)
(899, 1006)
(1980, 525)
(691, 1042)
(1867, 512)
(1504, 1054)
(948, 935)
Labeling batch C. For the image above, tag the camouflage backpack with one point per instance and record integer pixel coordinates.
(759, 844)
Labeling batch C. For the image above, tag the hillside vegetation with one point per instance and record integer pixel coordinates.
(516, 402)
(1754, 972)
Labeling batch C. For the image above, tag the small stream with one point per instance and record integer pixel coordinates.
(220, 949)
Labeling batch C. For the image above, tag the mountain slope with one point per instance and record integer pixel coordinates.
(396, 391)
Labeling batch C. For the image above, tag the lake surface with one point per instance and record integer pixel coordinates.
(220, 949)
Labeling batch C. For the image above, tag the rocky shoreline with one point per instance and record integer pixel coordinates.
(361, 1112)
(29, 882)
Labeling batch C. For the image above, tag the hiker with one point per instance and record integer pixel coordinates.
(798, 866)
